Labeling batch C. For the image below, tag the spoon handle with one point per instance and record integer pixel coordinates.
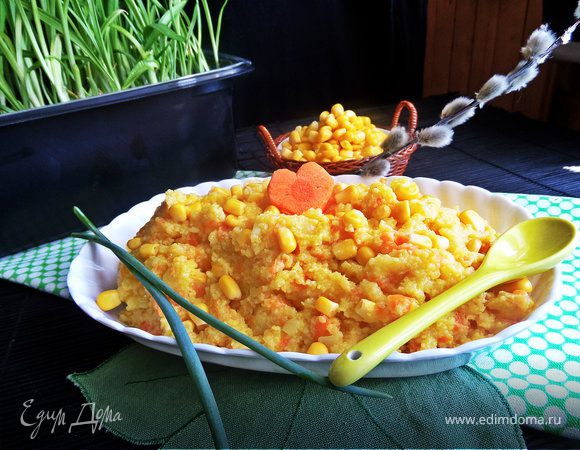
(364, 356)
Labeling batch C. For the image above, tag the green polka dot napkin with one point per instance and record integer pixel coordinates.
(538, 371)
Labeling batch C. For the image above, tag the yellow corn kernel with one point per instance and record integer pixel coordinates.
(344, 122)
(297, 156)
(317, 348)
(364, 254)
(234, 206)
(286, 153)
(337, 110)
(358, 122)
(287, 144)
(355, 218)
(523, 284)
(338, 187)
(148, 250)
(359, 137)
(220, 190)
(312, 136)
(237, 190)
(229, 287)
(304, 146)
(310, 155)
(339, 133)
(178, 212)
(295, 137)
(441, 242)
(313, 126)
(420, 240)
(346, 154)
(348, 195)
(232, 221)
(372, 139)
(193, 209)
(406, 191)
(330, 153)
(108, 300)
(196, 320)
(272, 209)
(344, 249)
(255, 197)
(325, 133)
(350, 113)
(401, 212)
(348, 136)
(324, 147)
(346, 145)
(424, 207)
(371, 150)
(326, 306)
(286, 240)
(134, 243)
(323, 116)
(473, 245)
(331, 121)
(470, 217)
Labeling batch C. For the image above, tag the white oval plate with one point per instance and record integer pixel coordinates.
(95, 270)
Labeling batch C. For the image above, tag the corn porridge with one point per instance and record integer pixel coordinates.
(320, 281)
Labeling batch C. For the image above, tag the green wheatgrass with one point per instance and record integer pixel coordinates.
(54, 51)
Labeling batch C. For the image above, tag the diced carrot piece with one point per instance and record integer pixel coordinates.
(284, 341)
(401, 239)
(321, 327)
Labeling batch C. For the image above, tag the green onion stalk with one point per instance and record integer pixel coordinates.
(192, 362)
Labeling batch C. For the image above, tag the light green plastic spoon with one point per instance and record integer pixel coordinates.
(528, 248)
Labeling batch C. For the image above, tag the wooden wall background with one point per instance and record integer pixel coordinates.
(470, 40)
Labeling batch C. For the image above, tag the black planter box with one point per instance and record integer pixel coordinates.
(106, 153)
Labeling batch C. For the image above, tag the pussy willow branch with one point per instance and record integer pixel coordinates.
(561, 40)
(457, 112)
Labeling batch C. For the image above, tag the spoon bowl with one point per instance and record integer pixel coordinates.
(542, 242)
(527, 248)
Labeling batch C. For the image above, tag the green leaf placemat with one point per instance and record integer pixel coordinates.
(538, 371)
(157, 404)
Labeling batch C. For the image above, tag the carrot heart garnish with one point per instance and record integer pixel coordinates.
(294, 193)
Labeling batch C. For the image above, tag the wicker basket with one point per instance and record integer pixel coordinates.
(398, 162)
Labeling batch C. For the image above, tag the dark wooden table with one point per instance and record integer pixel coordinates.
(46, 338)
